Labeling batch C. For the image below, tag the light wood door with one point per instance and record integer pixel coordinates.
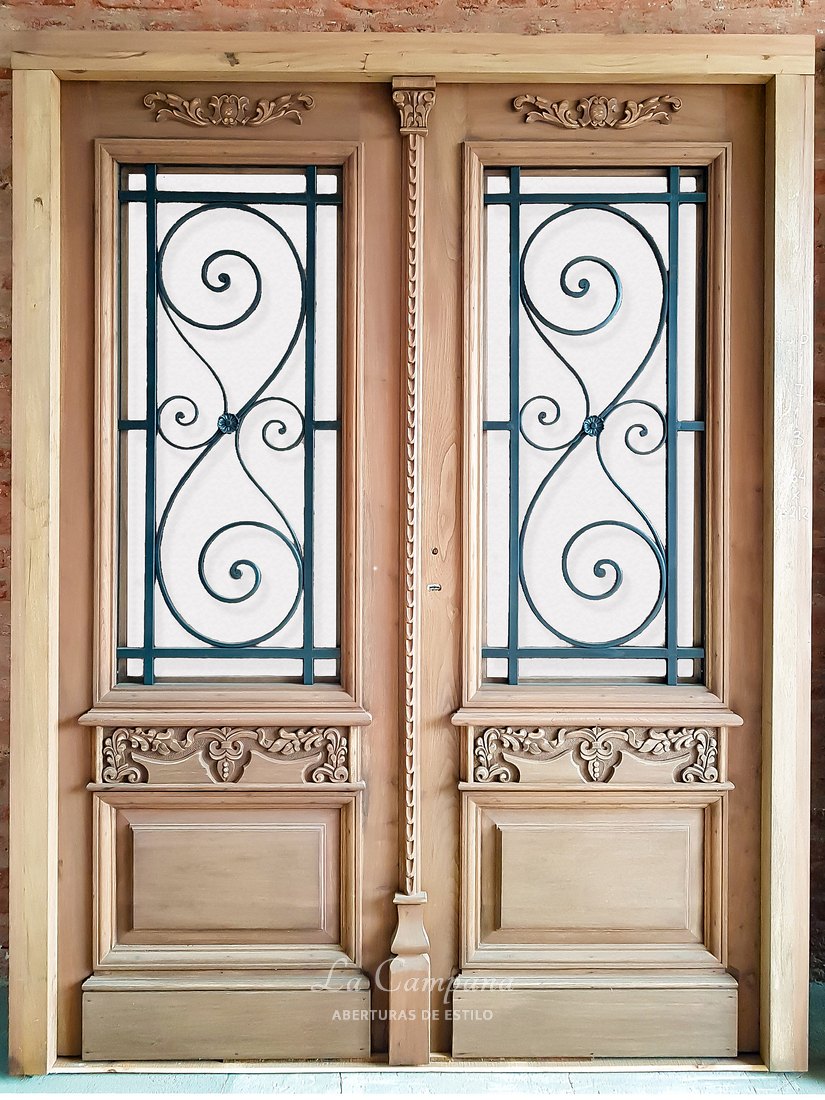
(593, 255)
(410, 826)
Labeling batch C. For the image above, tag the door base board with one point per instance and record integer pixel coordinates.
(587, 1015)
(158, 1020)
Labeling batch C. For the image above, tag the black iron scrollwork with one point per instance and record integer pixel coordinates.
(272, 420)
(546, 423)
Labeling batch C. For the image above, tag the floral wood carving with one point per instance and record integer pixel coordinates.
(228, 109)
(224, 751)
(597, 111)
(596, 752)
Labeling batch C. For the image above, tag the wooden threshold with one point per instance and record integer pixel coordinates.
(747, 1063)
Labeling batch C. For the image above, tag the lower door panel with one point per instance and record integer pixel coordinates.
(228, 914)
(594, 917)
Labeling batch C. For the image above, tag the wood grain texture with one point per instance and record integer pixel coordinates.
(721, 129)
(224, 1019)
(551, 855)
(610, 1016)
(124, 704)
(140, 55)
(788, 494)
(95, 109)
(179, 876)
(34, 580)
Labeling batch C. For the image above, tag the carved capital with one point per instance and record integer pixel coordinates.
(414, 97)
(597, 111)
(223, 751)
(596, 752)
(228, 109)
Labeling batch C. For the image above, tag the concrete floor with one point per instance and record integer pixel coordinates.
(447, 1082)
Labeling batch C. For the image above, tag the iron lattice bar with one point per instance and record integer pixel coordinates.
(546, 411)
(286, 428)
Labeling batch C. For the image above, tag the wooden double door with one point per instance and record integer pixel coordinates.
(411, 571)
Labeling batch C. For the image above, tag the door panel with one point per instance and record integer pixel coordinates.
(608, 745)
(589, 844)
(221, 804)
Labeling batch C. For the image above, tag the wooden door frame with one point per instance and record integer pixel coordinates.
(42, 60)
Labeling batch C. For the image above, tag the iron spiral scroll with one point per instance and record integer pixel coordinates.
(547, 423)
(217, 431)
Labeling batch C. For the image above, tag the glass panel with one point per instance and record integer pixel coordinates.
(593, 483)
(229, 499)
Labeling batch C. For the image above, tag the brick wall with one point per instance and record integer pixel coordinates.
(363, 16)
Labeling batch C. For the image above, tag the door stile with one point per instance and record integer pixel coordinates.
(409, 1042)
(36, 389)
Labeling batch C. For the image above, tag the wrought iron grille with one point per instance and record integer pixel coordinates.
(229, 424)
(593, 453)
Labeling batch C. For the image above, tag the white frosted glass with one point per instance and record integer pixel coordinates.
(179, 669)
(496, 536)
(328, 183)
(592, 437)
(495, 668)
(569, 668)
(327, 328)
(133, 541)
(231, 447)
(133, 344)
(580, 184)
(689, 556)
(135, 181)
(239, 180)
(497, 315)
(687, 306)
(325, 512)
(497, 184)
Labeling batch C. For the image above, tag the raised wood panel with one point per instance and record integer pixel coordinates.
(596, 877)
(622, 1015)
(225, 875)
(594, 872)
(226, 880)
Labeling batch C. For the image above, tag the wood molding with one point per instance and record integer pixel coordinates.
(645, 58)
(410, 1032)
(788, 548)
(324, 704)
(414, 100)
(610, 704)
(34, 574)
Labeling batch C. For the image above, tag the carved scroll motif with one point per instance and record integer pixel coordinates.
(596, 752)
(224, 751)
(228, 109)
(597, 111)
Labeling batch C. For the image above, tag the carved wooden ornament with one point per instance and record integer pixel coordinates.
(224, 751)
(414, 99)
(228, 109)
(597, 111)
(596, 752)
